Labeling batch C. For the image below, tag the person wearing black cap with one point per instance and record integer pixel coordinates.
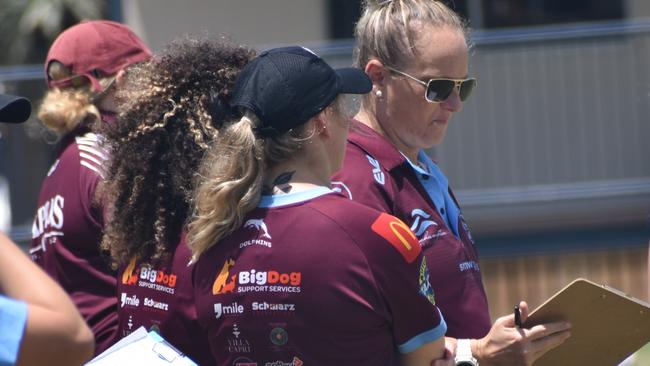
(13, 109)
(287, 271)
(39, 324)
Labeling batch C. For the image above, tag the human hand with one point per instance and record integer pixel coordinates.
(450, 346)
(450, 354)
(506, 344)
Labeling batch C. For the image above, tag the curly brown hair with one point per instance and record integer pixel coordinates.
(170, 110)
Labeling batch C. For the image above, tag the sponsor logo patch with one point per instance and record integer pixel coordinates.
(418, 226)
(341, 188)
(227, 310)
(428, 231)
(243, 361)
(272, 307)
(49, 217)
(126, 300)
(254, 280)
(425, 287)
(158, 305)
(295, 362)
(469, 266)
(260, 226)
(399, 235)
(224, 283)
(238, 344)
(376, 170)
(147, 277)
(466, 228)
(279, 336)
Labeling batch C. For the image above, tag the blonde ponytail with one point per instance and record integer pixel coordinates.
(231, 186)
(230, 182)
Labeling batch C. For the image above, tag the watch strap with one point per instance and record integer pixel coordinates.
(464, 353)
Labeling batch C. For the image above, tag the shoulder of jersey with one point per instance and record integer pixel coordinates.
(387, 226)
(91, 155)
(400, 236)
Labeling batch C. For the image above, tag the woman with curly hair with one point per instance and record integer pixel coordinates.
(83, 70)
(171, 108)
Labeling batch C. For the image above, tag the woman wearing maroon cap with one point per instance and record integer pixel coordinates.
(416, 53)
(81, 66)
(170, 111)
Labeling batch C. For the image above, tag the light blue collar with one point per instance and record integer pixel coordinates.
(424, 159)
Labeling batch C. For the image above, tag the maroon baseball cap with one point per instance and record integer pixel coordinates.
(95, 49)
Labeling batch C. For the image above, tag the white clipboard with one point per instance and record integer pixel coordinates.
(142, 348)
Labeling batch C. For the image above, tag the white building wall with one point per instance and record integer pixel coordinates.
(253, 22)
(638, 8)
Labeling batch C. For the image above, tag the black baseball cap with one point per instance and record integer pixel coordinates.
(287, 86)
(14, 109)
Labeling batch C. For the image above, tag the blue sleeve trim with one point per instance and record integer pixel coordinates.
(13, 319)
(424, 338)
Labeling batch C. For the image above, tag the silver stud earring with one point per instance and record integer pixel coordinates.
(379, 94)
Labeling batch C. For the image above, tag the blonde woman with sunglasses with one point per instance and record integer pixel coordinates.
(416, 54)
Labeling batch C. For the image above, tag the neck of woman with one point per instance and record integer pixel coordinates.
(368, 118)
(295, 176)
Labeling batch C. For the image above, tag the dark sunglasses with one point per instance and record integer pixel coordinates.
(438, 90)
(76, 81)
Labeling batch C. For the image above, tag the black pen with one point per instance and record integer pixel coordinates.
(517, 316)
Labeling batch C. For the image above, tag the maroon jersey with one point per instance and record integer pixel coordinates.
(67, 230)
(313, 278)
(376, 174)
(161, 298)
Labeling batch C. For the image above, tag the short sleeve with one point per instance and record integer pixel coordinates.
(91, 171)
(402, 277)
(362, 179)
(13, 318)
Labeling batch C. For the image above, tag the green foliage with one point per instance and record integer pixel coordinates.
(28, 27)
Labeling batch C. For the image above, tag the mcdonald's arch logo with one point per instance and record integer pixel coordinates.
(399, 235)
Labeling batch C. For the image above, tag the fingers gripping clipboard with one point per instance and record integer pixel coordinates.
(607, 324)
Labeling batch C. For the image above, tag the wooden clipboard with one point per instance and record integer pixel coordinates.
(607, 324)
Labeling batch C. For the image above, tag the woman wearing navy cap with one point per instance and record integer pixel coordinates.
(287, 271)
(416, 54)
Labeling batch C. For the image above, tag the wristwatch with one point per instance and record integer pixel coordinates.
(464, 354)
